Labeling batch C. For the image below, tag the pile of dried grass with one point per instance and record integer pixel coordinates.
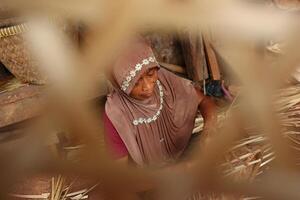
(61, 188)
(255, 152)
(251, 156)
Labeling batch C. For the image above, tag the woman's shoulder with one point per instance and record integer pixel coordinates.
(164, 73)
(171, 78)
(170, 75)
(113, 103)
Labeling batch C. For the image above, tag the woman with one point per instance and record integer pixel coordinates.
(150, 113)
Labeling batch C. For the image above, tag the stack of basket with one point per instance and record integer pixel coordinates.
(14, 51)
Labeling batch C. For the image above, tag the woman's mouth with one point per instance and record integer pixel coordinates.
(147, 94)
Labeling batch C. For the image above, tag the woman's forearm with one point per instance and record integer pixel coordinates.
(208, 112)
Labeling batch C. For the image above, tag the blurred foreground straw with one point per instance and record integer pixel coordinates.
(111, 24)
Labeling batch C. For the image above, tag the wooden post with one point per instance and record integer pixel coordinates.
(194, 56)
(213, 64)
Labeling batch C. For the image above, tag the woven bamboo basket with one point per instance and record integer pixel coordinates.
(15, 54)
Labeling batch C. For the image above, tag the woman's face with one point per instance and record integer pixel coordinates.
(145, 86)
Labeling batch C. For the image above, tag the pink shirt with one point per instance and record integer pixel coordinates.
(113, 140)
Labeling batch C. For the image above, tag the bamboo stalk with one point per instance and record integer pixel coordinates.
(68, 188)
(59, 189)
(90, 189)
(76, 193)
(31, 196)
(52, 188)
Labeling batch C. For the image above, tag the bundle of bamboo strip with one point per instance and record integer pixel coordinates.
(251, 156)
(63, 191)
(254, 152)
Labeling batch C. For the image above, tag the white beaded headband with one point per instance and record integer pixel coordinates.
(133, 73)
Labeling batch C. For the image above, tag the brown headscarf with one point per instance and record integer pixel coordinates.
(157, 130)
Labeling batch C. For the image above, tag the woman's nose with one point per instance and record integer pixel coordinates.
(147, 86)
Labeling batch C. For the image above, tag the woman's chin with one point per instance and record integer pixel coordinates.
(145, 96)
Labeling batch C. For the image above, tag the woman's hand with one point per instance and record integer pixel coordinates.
(207, 109)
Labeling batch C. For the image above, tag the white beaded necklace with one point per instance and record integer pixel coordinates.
(154, 118)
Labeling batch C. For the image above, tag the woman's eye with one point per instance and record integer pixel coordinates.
(150, 73)
(139, 82)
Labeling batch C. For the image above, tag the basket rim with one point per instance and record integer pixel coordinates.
(13, 30)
